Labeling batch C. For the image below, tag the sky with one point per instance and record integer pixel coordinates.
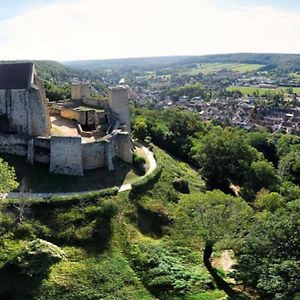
(65, 30)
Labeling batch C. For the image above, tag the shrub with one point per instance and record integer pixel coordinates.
(140, 163)
(146, 181)
(65, 201)
(26, 267)
(165, 275)
(181, 186)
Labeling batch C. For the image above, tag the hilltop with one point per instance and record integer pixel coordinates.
(270, 61)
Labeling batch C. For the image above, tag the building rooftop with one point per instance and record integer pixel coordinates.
(14, 76)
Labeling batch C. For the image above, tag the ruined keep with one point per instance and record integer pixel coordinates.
(86, 133)
(23, 104)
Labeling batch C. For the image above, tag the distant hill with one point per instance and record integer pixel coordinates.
(285, 62)
(50, 70)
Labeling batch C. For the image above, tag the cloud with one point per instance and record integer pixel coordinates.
(92, 29)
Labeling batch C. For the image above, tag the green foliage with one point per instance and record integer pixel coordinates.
(181, 185)
(269, 257)
(287, 143)
(165, 275)
(140, 163)
(170, 128)
(140, 129)
(261, 174)
(290, 191)
(191, 90)
(269, 201)
(82, 226)
(213, 217)
(146, 181)
(104, 277)
(224, 157)
(57, 92)
(289, 166)
(264, 143)
(7, 178)
(26, 267)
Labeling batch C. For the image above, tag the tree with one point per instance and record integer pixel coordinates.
(224, 158)
(269, 259)
(289, 166)
(212, 218)
(269, 201)
(140, 128)
(7, 178)
(261, 174)
(263, 142)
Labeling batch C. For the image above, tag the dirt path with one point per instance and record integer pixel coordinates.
(225, 261)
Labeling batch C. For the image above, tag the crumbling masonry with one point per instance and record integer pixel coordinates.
(101, 129)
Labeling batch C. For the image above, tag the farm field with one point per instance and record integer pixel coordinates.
(261, 91)
(216, 67)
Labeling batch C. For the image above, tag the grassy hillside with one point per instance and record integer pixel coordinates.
(116, 247)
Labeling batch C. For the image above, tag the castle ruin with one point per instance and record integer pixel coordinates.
(85, 133)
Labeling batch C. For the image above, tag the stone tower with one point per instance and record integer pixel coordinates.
(119, 104)
(80, 90)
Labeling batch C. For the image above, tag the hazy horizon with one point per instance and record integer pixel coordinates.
(65, 30)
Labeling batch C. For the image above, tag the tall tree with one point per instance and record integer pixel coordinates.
(269, 259)
(213, 217)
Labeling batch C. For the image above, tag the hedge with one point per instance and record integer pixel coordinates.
(146, 181)
(68, 200)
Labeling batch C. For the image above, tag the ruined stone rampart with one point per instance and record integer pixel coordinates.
(93, 155)
(65, 155)
(13, 144)
(125, 147)
(44, 123)
(95, 102)
(39, 115)
(42, 149)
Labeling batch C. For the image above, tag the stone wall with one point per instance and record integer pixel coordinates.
(26, 111)
(95, 102)
(38, 114)
(93, 155)
(42, 149)
(124, 147)
(45, 123)
(66, 155)
(70, 114)
(18, 114)
(2, 102)
(13, 144)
